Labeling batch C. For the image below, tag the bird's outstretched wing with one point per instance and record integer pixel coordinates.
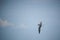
(39, 30)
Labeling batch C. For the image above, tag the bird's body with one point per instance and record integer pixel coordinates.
(39, 28)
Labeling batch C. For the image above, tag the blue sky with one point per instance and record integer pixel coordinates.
(19, 20)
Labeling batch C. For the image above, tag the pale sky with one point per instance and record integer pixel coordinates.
(19, 20)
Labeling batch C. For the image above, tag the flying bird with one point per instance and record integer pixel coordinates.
(39, 28)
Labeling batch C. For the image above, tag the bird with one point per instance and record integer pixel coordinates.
(39, 28)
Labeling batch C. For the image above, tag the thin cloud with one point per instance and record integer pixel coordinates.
(5, 23)
(23, 26)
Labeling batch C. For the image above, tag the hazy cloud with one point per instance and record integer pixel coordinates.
(24, 26)
(5, 23)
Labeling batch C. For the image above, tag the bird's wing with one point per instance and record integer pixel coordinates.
(39, 29)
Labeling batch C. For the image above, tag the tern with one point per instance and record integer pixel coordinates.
(39, 28)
